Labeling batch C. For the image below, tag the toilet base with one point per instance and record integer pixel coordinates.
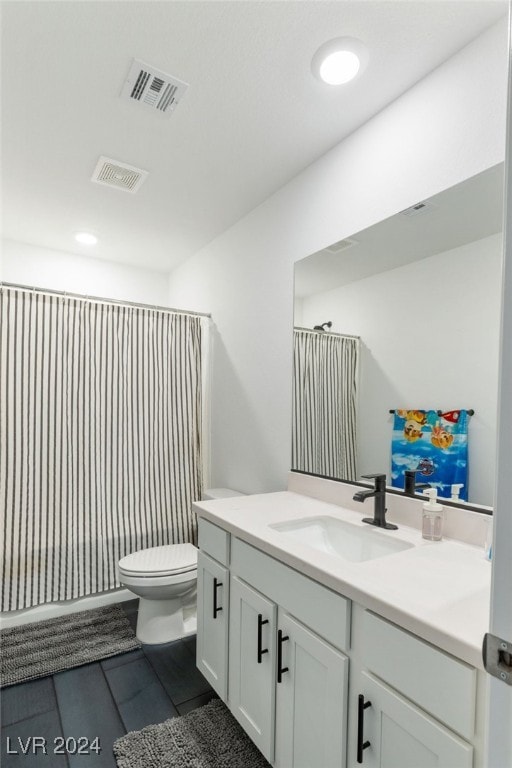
(162, 621)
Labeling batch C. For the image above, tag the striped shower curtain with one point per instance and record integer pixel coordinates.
(324, 438)
(100, 440)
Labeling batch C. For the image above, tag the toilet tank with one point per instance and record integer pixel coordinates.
(220, 493)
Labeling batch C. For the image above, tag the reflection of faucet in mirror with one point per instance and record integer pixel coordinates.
(322, 327)
(379, 494)
(410, 484)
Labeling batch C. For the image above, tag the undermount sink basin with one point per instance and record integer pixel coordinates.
(337, 537)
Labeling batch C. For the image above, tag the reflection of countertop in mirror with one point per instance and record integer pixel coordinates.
(437, 590)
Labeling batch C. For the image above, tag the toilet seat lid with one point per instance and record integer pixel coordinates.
(160, 561)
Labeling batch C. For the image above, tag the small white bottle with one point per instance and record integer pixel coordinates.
(432, 522)
(456, 489)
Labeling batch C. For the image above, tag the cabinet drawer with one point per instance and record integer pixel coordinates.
(321, 609)
(214, 541)
(440, 684)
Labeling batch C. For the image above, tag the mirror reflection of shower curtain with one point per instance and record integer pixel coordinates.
(324, 438)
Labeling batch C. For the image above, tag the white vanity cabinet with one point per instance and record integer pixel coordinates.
(287, 683)
(213, 606)
(278, 655)
(412, 705)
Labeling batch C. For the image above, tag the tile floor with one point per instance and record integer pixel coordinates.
(104, 699)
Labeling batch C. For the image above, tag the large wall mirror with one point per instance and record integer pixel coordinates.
(396, 340)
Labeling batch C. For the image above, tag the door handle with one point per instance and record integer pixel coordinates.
(280, 640)
(216, 608)
(361, 744)
(261, 651)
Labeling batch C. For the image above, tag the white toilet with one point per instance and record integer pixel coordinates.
(165, 579)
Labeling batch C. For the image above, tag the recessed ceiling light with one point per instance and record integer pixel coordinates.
(340, 60)
(85, 238)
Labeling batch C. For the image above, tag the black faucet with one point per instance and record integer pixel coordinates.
(379, 493)
(410, 484)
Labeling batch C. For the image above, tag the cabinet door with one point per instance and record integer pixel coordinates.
(213, 622)
(311, 699)
(252, 664)
(402, 736)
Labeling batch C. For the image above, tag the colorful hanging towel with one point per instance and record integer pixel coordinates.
(436, 445)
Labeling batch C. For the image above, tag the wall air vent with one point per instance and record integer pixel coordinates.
(152, 89)
(423, 207)
(112, 173)
(341, 245)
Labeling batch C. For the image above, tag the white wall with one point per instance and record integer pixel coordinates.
(449, 127)
(429, 339)
(26, 264)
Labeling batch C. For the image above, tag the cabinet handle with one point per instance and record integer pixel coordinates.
(216, 608)
(261, 651)
(280, 640)
(361, 744)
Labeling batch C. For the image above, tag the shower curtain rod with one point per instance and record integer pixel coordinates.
(470, 411)
(34, 289)
(327, 333)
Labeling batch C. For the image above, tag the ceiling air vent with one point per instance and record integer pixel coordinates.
(152, 89)
(341, 245)
(111, 173)
(419, 208)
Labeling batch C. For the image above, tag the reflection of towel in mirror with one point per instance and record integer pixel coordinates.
(436, 445)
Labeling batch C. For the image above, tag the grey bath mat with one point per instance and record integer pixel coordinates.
(208, 737)
(45, 647)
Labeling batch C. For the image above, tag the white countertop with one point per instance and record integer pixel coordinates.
(440, 591)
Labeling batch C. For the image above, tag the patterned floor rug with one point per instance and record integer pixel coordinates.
(208, 737)
(45, 647)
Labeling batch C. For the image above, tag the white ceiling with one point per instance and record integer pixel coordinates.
(252, 118)
(459, 215)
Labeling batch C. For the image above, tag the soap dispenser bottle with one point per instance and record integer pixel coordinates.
(432, 523)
